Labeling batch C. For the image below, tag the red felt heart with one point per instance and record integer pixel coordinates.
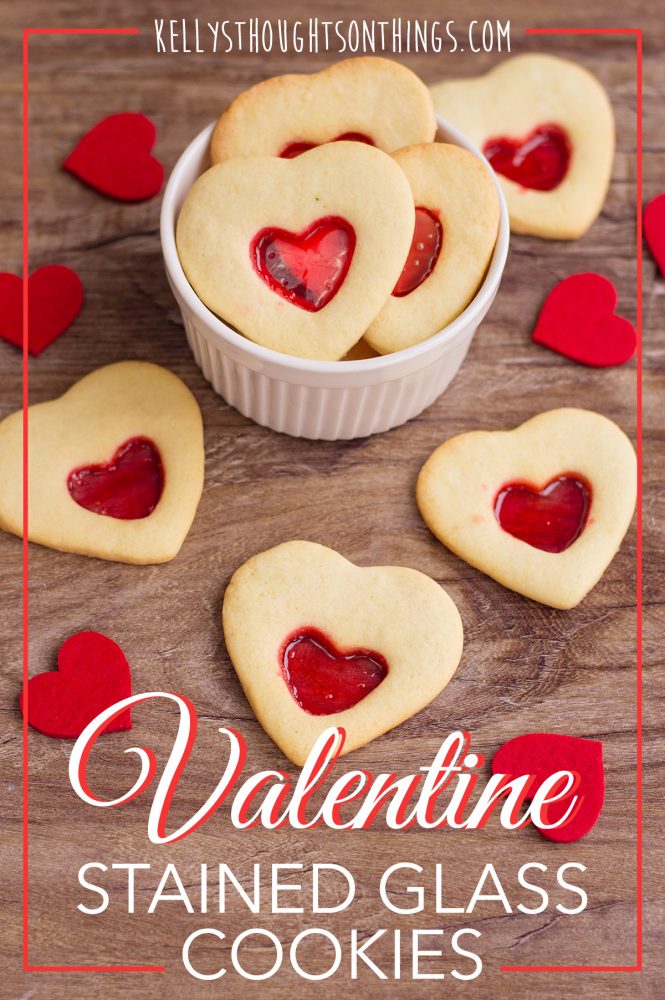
(307, 268)
(540, 161)
(654, 229)
(578, 321)
(128, 487)
(324, 680)
(423, 253)
(542, 754)
(550, 519)
(114, 158)
(92, 675)
(55, 297)
(296, 148)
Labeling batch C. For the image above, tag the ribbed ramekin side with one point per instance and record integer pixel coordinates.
(318, 411)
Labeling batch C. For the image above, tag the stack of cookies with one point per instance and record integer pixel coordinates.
(331, 221)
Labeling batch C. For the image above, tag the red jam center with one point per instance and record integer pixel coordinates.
(423, 254)
(324, 680)
(128, 487)
(540, 161)
(306, 268)
(296, 148)
(550, 519)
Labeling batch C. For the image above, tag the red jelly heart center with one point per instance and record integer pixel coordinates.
(128, 487)
(540, 161)
(305, 268)
(324, 680)
(423, 253)
(296, 148)
(550, 519)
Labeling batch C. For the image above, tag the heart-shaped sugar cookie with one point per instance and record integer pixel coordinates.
(578, 320)
(317, 642)
(367, 99)
(115, 465)
(457, 219)
(298, 254)
(546, 126)
(542, 508)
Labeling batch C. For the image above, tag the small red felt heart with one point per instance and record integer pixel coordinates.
(92, 675)
(543, 754)
(114, 158)
(306, 268)
(55, 297)
(654, 230)
(324, 680)
(578, 321)
(128, 487)
(539, 161)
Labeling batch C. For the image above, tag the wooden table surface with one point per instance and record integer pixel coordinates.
(525, 667)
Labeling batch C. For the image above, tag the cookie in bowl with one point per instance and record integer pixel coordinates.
(367, 99)
(456, 225)
(300, 254)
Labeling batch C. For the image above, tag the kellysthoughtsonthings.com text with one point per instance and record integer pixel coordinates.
(260, 36)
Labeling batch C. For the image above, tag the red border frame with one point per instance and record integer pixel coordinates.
(637, 967)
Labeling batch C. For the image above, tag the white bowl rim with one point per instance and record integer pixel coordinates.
(333, 369)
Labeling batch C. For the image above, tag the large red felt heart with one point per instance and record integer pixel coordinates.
(55, 297)
(92, 674)
(654, 229)
(307, 268)
(578, 321)
(542, 754)
(128, 487)
(114, 158)
(539, 161)
(324, 680)
(550, 519)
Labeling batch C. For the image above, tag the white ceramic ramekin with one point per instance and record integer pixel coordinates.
(327, 400)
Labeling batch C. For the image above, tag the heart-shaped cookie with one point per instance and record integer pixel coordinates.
(115, 465)
(55, 297)
(92, 675)
(578, 321)
(457, 219)
(654, 230)
(298, 254)
(114, 157)
(367, 99)
(546, 126)
(317, 642)
(542, 508)
(542, 754)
